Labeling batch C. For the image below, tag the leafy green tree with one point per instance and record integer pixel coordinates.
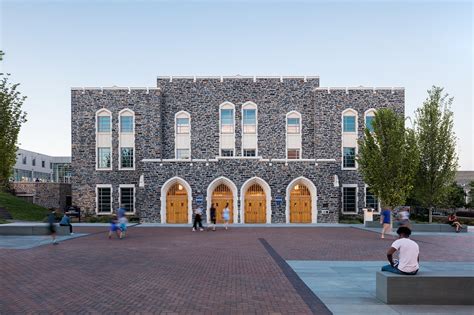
(388, 158)
(11, 119)
(437, 145)
(455, 197)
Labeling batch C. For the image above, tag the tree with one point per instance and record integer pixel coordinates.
(455, 197)
(470, 204)
(388, 158)
(437, 145)
(11, 119)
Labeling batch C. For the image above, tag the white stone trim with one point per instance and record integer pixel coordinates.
(346, 135)
(357, 198)
(97, 186)
(298, 114)
(210, 189)
(181, 114)
(134, 197)
(226, 105)
(314, 197)
(268, 196)
(249, 105)
(164, 191)
(369, 113)
(125, 110)
(355, 88)
(98, 134)
(379, 205)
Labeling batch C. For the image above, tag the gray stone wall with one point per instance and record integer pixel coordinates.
(48, 195)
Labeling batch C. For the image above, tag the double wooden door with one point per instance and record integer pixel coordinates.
(221, 196)
(255, 205)
(177, 204)
(300, 204)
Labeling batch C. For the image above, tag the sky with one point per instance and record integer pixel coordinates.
(52, 46)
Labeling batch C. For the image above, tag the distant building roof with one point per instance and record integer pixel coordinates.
(464, 177)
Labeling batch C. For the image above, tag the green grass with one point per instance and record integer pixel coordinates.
(22, 210)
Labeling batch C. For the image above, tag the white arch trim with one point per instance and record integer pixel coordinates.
(268, 196)
(164, 191)
(314, 197)
(210, 189)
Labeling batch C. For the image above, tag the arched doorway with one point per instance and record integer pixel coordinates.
(177, 204)
(255, 207)
(221, 196)
(300, 204)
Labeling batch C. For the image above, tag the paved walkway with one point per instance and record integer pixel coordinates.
(173, 270)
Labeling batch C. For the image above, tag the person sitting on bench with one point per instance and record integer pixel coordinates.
(454, 222)
(408, 254)
(66, 221)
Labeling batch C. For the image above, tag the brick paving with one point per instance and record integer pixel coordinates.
(175, 271)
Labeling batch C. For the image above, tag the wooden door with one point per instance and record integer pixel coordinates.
(255, 205)
(221, 196)
(300, 204)
(177, 204)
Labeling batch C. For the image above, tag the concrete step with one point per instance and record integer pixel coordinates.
(4, 214)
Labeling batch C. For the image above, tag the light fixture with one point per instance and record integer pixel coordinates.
(297, 187)
(180, 187)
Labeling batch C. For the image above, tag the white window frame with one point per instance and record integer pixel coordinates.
(134, 197)
(353, 112)
(226, 105)
(97, 199)
(298, 114)
(356, 195)
(365, 200)
(248, 105)
(355, 159)
(182, 114)
(97, 133)
(126, 110)
(368, 113)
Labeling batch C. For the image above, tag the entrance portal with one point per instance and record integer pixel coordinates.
(255, 205)
(177, 204)
(300, 204)
(221, 196)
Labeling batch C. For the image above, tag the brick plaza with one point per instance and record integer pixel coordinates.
(171, 270)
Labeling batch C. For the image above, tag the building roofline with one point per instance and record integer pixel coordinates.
(170, 78)
(358, 88)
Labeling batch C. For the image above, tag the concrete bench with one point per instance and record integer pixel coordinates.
(433, 227)
(426, 288)
(37, 229)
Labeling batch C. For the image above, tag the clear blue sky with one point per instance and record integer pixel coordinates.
(54, 45)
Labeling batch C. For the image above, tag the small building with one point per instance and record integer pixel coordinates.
(37, 167)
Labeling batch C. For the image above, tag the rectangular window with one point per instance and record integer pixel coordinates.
(182, 125)
(249, 153)
(104, 157)
(182, 154)
(126, 198)
(24, 160)
(371, 200)
(293, 154)
(103, 124)
(43, 163)
(225, 152)
(250, 121)
(227, 121)
(293, 125)
(349, 201)
(126, 157)
(33, 162)
(369, 120)
(349, 157)
(349, 124)
(126, 123)
(104, 199)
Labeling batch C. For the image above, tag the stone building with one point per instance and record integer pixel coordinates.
(275, 149)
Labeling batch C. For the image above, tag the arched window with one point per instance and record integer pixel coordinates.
(103, 139)
(226, 129)
(369, 118)
(293, 135)
(182, 135)
(249, 129)
(126, 139)
(349, 138)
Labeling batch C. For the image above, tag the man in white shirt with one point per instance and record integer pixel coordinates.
(408, 254)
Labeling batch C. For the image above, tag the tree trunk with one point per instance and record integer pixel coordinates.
(430, 215)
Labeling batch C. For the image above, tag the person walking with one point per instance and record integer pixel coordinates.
(51, 225)
(212, 214)
(385, 221)
(66, 221)
(226, 215)
(198, 219)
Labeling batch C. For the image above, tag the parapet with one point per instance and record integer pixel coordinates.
(348, 89)
(236, 77)
(128, 90)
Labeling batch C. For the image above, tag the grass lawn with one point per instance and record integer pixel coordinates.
(22, 210)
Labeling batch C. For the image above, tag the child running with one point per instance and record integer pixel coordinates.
(114, 227)
(123, 226)
(226, 215)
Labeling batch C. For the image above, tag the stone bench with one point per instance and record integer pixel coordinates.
(37, 229)
(426, 288)
(433, 227)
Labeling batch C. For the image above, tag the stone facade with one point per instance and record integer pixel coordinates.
(155, 110)
(48, 195)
